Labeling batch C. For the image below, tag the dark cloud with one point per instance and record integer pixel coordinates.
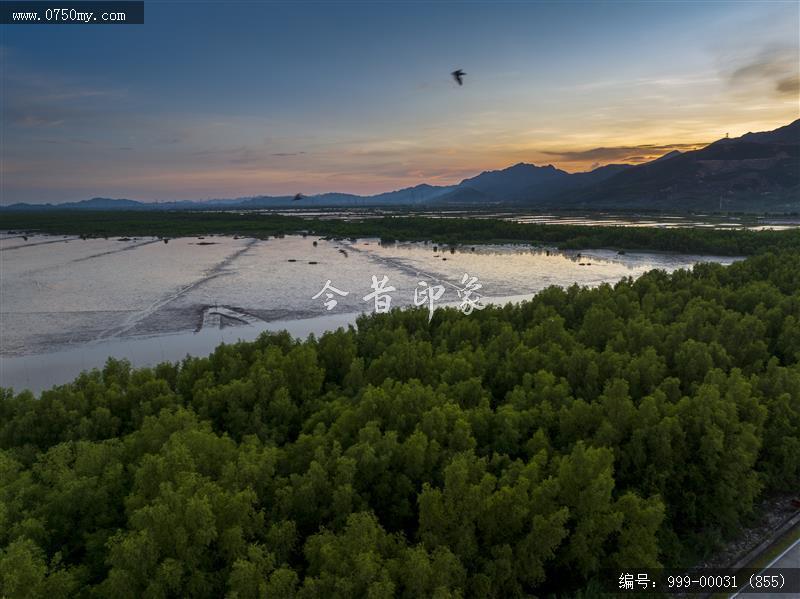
(604, 155)
(35, 116)
(243, 156)
(776, 66)
(789, 85)
(35, 100)
(246, 157)
(83, 142)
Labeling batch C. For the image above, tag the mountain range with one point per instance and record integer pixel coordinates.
(757, 172)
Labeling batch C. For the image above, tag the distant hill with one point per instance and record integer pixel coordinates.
(788, 134)
(419, 194)
(756, 172)
(93, 204)
(525, 184)
(667, 156)
(517, 182)
(461, 196)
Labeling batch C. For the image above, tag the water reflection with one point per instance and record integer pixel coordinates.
(68, 303)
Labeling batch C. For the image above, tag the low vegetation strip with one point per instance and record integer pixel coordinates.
(519, 450)
(404, 228)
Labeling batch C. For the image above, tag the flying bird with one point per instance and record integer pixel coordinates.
(458, 75)
(297, 197)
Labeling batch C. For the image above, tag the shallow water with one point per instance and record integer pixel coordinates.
(67, 304)
(595, 218)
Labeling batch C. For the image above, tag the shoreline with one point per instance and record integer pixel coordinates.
(458, 230)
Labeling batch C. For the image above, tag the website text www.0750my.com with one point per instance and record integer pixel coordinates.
(72, 12)
(68, 15)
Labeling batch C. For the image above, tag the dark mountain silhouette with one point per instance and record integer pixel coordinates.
(92, 204)
(582, 180)
(524, 184)
(419, 194)
(667, 156)
(517, 182)
(755, 172)
(461, 196)
(788, 134)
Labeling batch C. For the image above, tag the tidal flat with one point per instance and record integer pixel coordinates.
(70, 303)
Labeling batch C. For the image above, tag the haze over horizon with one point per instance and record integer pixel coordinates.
(245, 99)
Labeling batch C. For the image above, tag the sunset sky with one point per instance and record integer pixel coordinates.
(213, 99)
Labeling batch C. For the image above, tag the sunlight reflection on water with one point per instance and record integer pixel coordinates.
(67, 304)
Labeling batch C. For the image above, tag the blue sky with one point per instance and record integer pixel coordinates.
(226, 99)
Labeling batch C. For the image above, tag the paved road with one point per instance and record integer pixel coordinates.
(789, 558)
